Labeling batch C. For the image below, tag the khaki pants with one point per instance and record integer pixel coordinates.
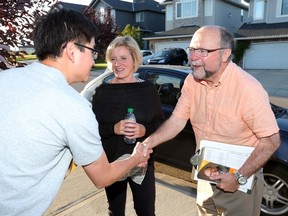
(214, 202)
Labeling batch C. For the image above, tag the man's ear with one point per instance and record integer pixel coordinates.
(226, 54)
(69, 50)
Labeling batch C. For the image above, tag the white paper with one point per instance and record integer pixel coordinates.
(229, 155)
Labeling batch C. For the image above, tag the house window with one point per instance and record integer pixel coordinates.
(169, 12)
(102, 14)
(113, 14)
(186, 9)
(282, 8)
(140, 17)
(208, 7)
(258, 10)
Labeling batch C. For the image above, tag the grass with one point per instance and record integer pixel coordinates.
(100, 64)
(26, 57)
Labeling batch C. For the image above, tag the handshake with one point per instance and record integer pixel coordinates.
(142, 152)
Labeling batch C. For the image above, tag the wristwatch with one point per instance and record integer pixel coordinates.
(242, 180)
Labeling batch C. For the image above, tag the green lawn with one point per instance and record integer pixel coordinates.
(101, 64)
(26, 57)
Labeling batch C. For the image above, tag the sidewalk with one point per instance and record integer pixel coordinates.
(78, 196)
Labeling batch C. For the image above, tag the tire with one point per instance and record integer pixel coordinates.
(275, 197)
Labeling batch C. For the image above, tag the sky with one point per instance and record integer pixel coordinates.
(87, 2)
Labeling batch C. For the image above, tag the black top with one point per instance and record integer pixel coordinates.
(110, 103)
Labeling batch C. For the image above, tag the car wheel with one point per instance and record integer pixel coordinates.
(275, 197)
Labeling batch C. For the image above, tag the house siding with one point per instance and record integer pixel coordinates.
(178, 22)
(152, 44)
(150, 17)
(270, 13)
(123, 18)
(228, 16)
(272, 16)
(268, 37)
(125, 13)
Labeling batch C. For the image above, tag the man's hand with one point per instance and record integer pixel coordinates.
(227, 182)
(146, 146)
(142, 153)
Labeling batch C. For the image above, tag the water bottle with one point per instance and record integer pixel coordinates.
(130, 115)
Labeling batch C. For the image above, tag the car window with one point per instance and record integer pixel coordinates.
(168, 86)
(162, 53)
(146, 53)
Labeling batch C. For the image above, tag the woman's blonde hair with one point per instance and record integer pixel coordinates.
(130, 44)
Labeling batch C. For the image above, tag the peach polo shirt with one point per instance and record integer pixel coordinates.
(236, 110)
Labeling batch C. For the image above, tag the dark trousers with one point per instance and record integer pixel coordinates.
(143, 195)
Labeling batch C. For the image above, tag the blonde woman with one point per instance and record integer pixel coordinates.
(110, 104)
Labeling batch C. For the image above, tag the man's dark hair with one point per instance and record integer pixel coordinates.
(55, 29)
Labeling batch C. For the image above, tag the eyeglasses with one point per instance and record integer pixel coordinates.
(94, 51)
(203, 52)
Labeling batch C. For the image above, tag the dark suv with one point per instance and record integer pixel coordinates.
(170, 56)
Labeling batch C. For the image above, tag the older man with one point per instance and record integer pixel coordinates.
(224, 104)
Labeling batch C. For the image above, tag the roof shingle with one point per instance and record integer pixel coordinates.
(262, 30)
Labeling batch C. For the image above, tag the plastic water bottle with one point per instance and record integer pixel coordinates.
(130, 115)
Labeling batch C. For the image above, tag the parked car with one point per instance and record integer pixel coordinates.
(146, 53)
(146, 59)
(171, 56)
(178, 151)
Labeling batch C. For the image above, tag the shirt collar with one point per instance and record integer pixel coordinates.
(223, 77)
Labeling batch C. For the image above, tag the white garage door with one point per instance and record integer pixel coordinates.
(267, 56)
(174, 44)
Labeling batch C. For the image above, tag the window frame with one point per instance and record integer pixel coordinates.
(258, 10)
(279, 8)
(169, 12)
(182, 9)
(140, 17)
(208, 8)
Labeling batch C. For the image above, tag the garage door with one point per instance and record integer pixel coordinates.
(266, 56)
(174, 44)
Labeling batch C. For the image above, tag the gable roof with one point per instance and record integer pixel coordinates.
(144, 5)
(262, 31)
(183, 31)
(71, 6)
(232, 2)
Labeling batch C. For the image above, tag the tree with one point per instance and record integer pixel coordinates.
(16, 24)
(107, 28)
(134, 32)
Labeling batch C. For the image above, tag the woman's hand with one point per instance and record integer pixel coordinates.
(119, 127)
(129, 129)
